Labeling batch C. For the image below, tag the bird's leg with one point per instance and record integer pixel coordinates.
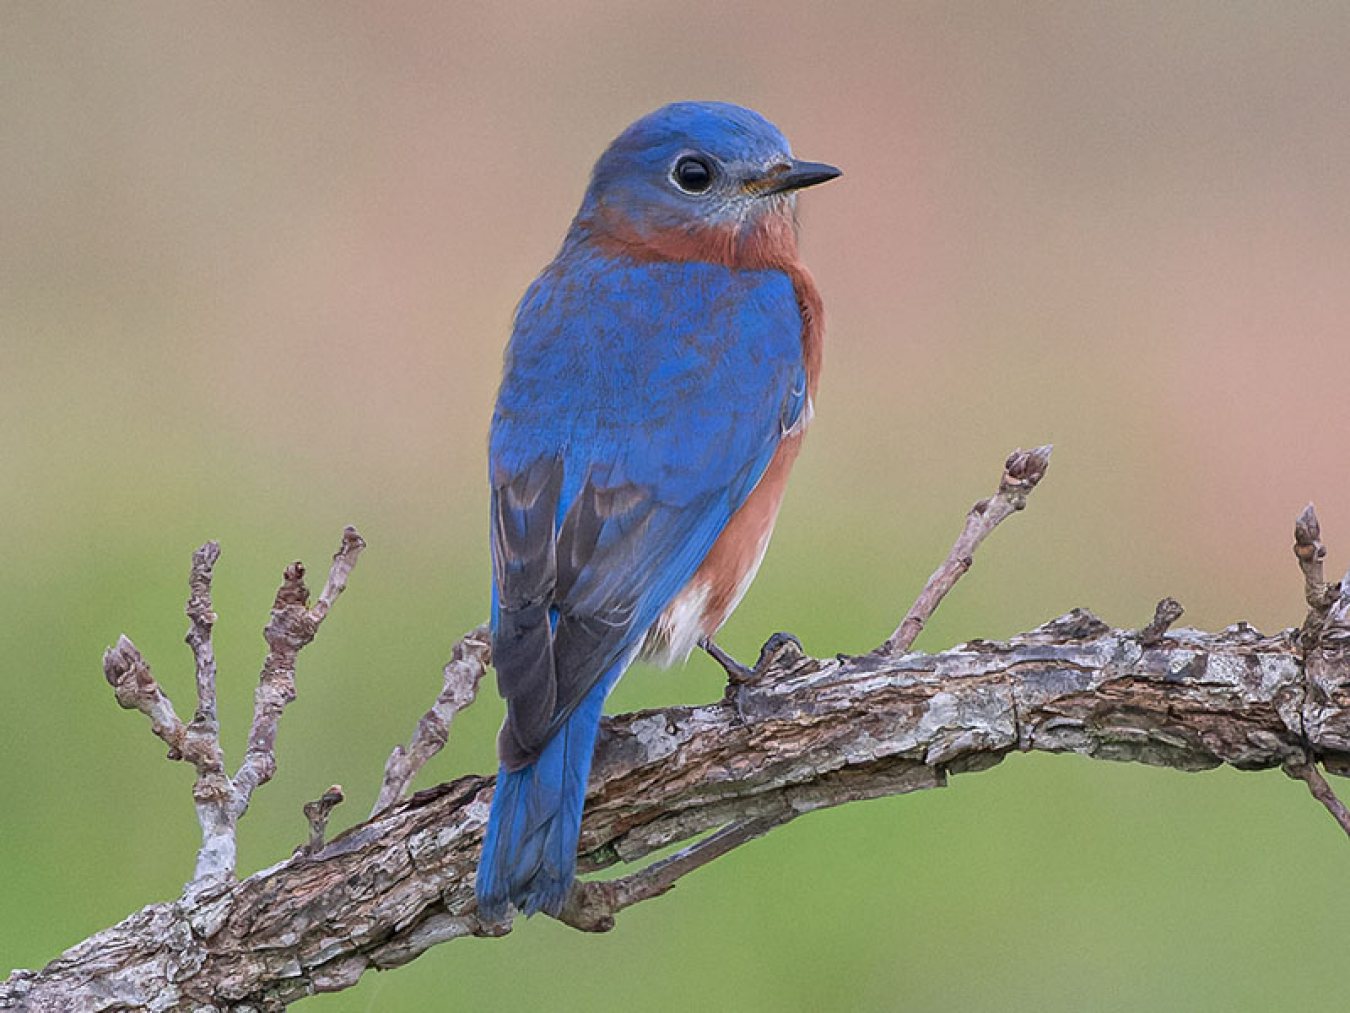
(781, 648)
(736, 672)
(738, 675)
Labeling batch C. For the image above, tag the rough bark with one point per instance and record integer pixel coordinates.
(806, 734)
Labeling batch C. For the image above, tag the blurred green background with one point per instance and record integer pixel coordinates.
(257, 264)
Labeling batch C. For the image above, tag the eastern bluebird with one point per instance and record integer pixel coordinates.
(657, 384)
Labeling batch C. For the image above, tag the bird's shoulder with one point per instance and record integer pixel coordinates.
(620, 334)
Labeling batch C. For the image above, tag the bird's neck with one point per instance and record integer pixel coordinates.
(767, 241)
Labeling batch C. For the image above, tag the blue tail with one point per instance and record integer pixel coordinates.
(530, 849)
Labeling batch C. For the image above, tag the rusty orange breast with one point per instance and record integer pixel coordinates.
(733, 561)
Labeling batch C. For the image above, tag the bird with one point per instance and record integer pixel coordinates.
(660, 375)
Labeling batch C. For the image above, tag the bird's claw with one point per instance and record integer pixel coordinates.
(780, 650)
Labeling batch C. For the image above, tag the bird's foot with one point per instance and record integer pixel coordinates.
(781, 649)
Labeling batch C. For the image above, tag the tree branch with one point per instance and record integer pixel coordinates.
(817, 733)
(1021, 473)
(219, 799)
(292, 627)
(803, 734)
(466, 668)
(1320, 790)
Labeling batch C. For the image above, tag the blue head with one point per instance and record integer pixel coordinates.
(698, 181)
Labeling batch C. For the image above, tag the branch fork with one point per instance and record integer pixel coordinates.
(219, 798)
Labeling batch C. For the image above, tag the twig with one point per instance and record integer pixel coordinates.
(1319, 595)
(593, 905)
(1317, 785)
(199, 742)
(1167, 612)
(291, 628)
(201, 621)
(213, 793)
(1021, 473)
(344, 560)
(317, 813)
(468, 663)
(136, 689)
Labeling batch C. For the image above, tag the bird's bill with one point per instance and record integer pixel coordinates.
(795, 175)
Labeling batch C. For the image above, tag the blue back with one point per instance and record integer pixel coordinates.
(640, 405)
(673, 367)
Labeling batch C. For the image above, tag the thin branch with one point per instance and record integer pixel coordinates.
(292, 627)
(1021, 473)
(213, 792)
(1167, 612)
(201, 621)
(317, 813)
(136, 689)
(468, 663)
(1311, 553)
(593, 905)
(1317, 785)
(344, 560)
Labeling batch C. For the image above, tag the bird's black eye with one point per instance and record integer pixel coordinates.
(692, 174)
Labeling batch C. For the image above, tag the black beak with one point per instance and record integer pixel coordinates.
(799, 174)
(794, 177)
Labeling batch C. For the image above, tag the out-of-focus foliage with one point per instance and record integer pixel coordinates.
(256, 268)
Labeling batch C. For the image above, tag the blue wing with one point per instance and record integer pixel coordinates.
(640, 405)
